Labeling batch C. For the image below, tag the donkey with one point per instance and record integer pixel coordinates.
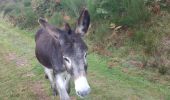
(63, 53)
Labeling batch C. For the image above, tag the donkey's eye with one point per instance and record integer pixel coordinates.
(85, 55)
(67, 59)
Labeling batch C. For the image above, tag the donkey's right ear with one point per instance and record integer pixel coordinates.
(83, 22)
(42, 22)
(49, 28)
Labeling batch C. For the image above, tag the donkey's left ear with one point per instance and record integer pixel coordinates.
(67, 28)
(83, 22)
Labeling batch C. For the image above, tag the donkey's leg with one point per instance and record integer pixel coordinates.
(46, 77)
(50, 75)
(60, 83)
(67, 82)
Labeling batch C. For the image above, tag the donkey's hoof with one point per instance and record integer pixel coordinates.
(68, 90)
(46, 77)
(55, 93)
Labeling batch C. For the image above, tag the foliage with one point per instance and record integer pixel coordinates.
(73, 7)
(56, 19)
(27, 3)
(20, 13)
(9, 7)
(154, 41)
(124, 12)
(92, 7)
(43, 7)
(29, 19)
(164, 4)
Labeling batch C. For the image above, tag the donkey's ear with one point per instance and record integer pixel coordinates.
(42, 22)
(67, 28)
(49, 28)
(83, 22)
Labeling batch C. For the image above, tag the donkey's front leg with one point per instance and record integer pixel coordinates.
(67, 82)
(50, 75)
(61, 87)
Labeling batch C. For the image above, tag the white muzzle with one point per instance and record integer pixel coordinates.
(81, 86)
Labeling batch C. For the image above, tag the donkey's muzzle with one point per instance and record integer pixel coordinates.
(82, 87)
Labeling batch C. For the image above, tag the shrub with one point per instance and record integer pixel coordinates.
(73, 7)
(29, 19)
(124, 12)
(92, 7)
(2, 6)
(134, 12)
(9, 7)
(56, 19)
(43, 7)
(39, 7)
(27, 3)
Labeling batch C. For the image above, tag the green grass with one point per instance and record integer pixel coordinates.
(119, 83)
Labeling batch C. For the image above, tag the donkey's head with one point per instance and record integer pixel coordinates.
(74, 50)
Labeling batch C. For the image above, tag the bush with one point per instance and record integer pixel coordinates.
(154, 40)
(29, 19)
(39, 7)
(27, 3)
(124, 12)
(9, 7)
(56, 19)
(73, 7)
(134, 12)
(92, 7)
(44, 7)
(2, 6)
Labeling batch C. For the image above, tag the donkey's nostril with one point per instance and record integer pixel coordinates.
(83, 93)
(78, 93)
